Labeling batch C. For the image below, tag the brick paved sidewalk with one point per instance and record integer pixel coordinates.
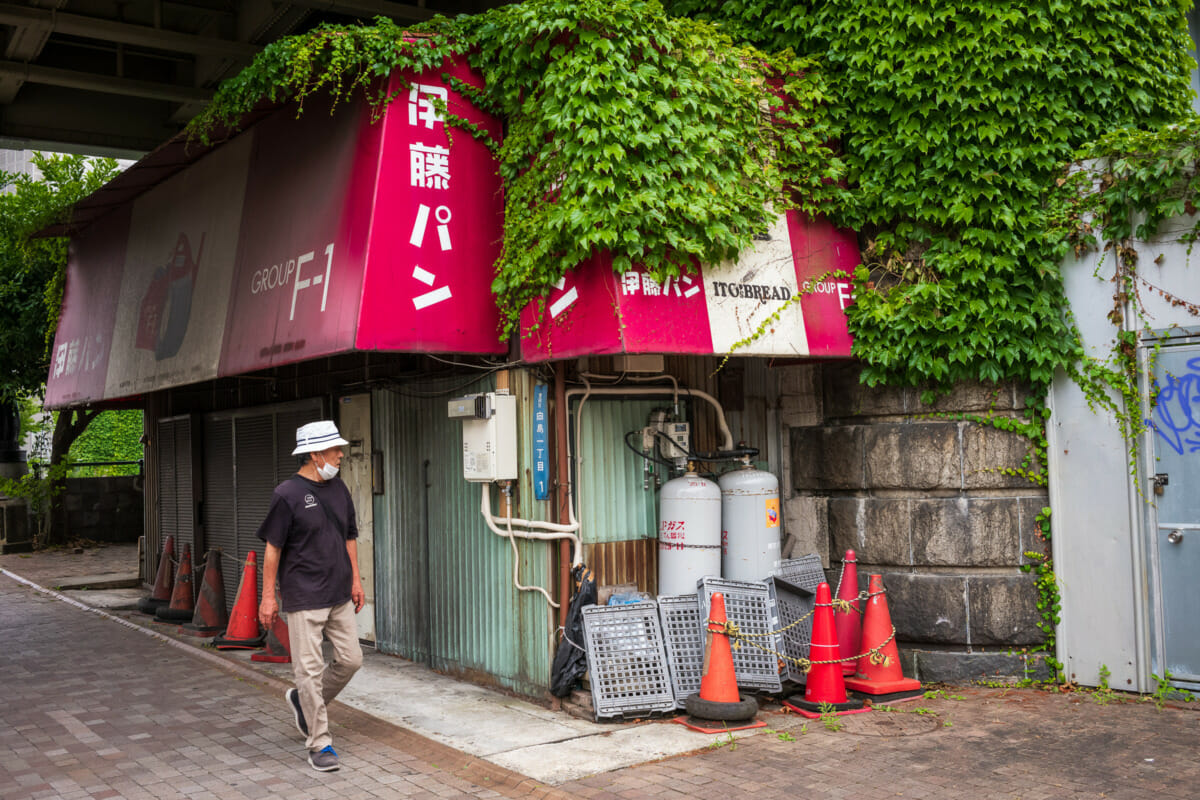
(1015, 744)
(95, 709)
(91, 708)
(45, 567)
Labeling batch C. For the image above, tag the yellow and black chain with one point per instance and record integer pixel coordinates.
(875, 654)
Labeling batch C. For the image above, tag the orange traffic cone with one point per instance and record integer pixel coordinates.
(824, 691)
(848, 622)
(278, 649)
(243, 632)
(183, 602)
(164, 579)
(719, 700)
(210, 617)
(879, 673)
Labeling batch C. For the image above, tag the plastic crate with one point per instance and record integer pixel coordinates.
(789, 605)
(683, 635)
(805, 572)
(748, 605)
(627, 664)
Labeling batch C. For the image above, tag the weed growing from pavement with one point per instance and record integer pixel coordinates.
(920, 711)
(1103, 694)
(728, 740)
(1164, 691)
(935, 694)
(829, 718)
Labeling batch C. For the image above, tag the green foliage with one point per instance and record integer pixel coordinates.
(40, 489)
(32, 271)
(111, 436)
(1124, 189)
(658, 140)
(956, 121)
(1049, 602)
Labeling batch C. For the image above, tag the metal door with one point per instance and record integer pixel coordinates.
(1175, 547)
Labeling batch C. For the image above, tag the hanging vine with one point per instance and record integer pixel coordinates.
(657, 139)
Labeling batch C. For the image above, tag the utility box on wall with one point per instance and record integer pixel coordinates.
(489, 436)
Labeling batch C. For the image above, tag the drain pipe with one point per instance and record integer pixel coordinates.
(562, 466)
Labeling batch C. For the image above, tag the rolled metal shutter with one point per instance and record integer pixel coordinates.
(175, 473)
(219, 506)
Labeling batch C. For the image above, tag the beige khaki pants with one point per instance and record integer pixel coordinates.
(317, 683)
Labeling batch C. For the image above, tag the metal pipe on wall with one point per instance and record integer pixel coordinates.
(563, 472)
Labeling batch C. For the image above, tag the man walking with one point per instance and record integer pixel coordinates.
(311, 546)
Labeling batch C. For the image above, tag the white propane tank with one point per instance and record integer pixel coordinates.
(689, 533)
(750, 548)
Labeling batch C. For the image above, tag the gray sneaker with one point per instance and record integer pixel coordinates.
(324, 760)
(293, 698)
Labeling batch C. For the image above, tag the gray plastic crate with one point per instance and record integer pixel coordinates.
(683, 634)
(627, 664)
(748, 605)
(790, 604)
(805, 572)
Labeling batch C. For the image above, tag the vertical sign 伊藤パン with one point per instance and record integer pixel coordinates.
(429, 169)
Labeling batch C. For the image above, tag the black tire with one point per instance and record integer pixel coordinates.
(745, 708)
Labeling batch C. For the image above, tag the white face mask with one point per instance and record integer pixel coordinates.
(327, 471)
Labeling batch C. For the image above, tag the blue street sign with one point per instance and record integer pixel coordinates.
(541, 450)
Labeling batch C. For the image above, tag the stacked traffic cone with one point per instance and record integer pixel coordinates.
(164, 579)
(210, 617)
(849, 621)
(242, 632)
(183, 602)
(278, 648)
(719, 701)
(879, 673)
(825, 690)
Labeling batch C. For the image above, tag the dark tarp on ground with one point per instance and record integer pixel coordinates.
(570, 661)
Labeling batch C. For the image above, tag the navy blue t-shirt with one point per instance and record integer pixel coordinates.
(314, 567)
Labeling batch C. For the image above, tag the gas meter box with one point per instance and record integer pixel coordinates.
(490, 443)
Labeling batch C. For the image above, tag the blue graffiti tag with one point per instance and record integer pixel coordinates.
(1177, 409)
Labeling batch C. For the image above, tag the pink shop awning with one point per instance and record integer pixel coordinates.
(594, 311)
(302, 237)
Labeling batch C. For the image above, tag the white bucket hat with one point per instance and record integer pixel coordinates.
(317, 436)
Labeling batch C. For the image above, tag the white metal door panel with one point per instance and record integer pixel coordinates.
(354, 422)
(1175, 549)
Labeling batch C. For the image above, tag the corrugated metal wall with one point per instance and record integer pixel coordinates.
(619, 516)
(612, 503)
(176, 447)
(444, 592)
(152, 494)
(618, 513)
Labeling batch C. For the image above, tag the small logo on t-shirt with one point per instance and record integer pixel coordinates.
(310, 501)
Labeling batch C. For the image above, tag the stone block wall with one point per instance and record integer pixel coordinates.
(16, 535)
(922, 500)
(105, 509)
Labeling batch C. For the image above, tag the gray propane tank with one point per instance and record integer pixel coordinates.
(750, 546)
(689, 533)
